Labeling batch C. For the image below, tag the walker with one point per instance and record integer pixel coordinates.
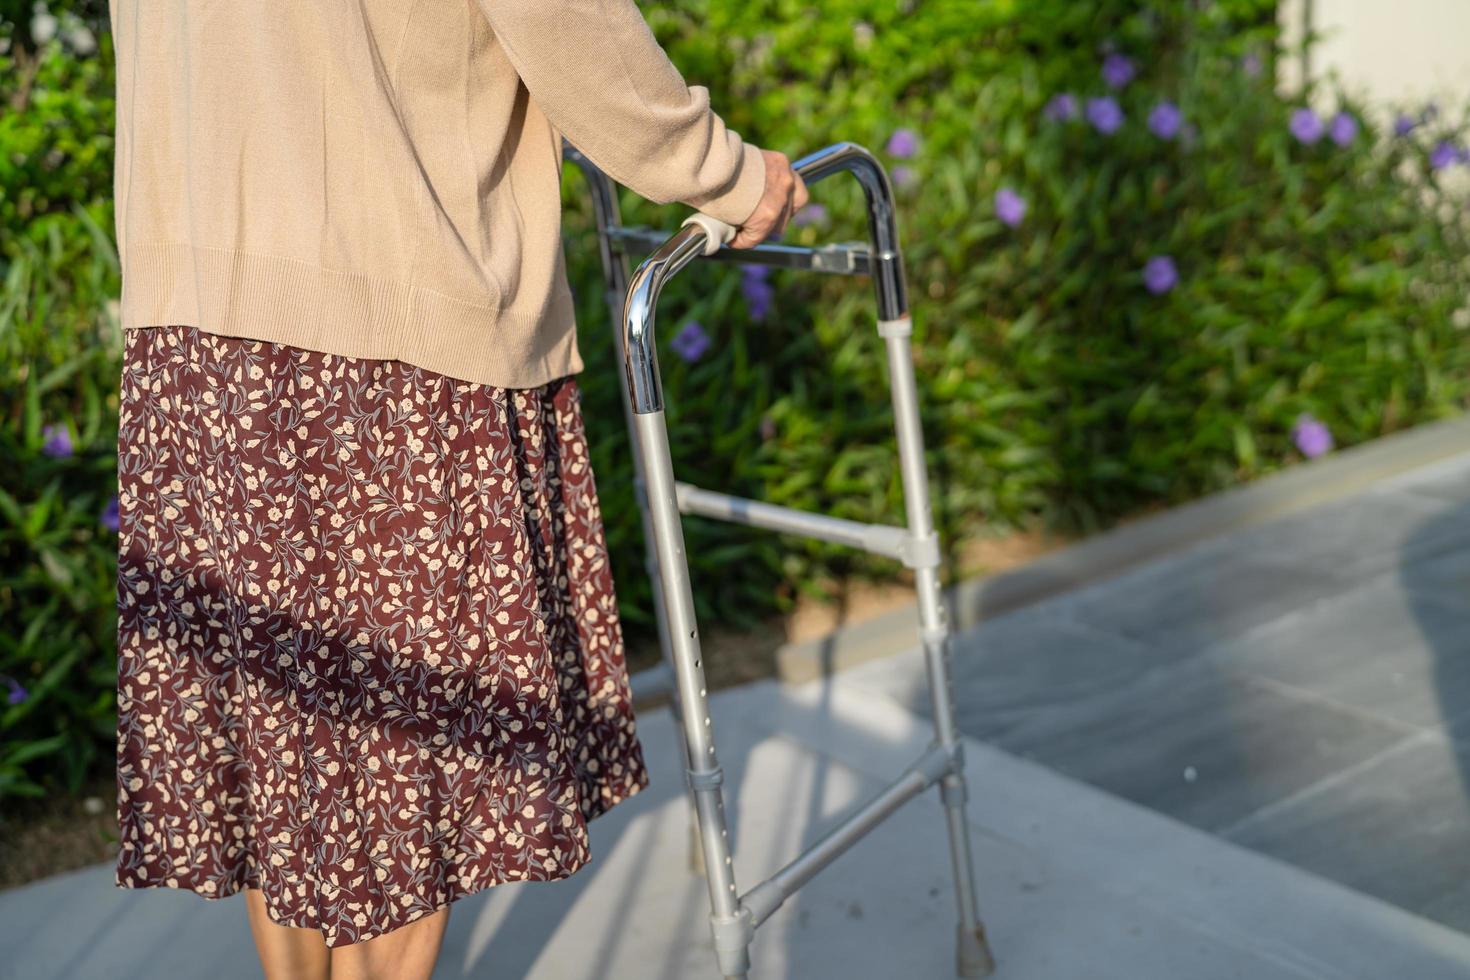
(661, 500)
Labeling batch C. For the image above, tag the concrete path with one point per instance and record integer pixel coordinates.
(1074, 882)
(1176, 763)
(1301, 687)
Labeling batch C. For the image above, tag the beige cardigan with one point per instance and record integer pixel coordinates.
(381, 178)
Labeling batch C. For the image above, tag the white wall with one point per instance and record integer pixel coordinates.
(1387, 50)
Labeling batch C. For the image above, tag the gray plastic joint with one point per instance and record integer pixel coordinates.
(934, 634)
(957, 757)
(901, 327)
(956, 753)
(705, 778)
(952, 790)
(732, 935)
(920, 552)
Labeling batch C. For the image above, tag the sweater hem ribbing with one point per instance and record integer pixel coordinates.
(261, 297)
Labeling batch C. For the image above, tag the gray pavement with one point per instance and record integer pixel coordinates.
(1236, 761)
(1301, 687)
(1074, 882)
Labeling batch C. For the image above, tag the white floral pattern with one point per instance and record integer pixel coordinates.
(370, 658)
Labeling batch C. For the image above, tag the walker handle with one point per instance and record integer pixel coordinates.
(640, 360)
(716, 232)
(886, 268)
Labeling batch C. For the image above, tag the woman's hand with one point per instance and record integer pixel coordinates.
(785, 194)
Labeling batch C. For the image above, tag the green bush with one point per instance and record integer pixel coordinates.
(59, 359)
(1312, 279)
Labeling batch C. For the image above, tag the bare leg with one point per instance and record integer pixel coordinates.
(286, 952)
(406, 953)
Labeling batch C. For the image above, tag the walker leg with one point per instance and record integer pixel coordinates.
(695, 856)
(730, 923)
(972, 952)
(615, 277)
(696, 849)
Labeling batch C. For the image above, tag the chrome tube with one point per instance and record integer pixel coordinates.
(660, 680)
(604, 212)
(841, 258)
(886, 266)
(640, 355)
(886, 260)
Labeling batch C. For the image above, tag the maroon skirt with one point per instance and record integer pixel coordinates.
(369, 655)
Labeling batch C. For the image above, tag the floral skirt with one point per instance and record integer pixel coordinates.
(369, 656)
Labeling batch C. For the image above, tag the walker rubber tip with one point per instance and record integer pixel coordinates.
(972, 952)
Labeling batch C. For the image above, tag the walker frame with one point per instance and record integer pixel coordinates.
(662, 500)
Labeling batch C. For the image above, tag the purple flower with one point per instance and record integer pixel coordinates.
(1404, 124)
(1306, 126)
(758, 293)
(903, 144)
(1061, 107)
(1160, 275)
(1165, 119)
(1344, 128)
(691, 341)
(110, 514)
(1118, 70)
(903, 175)
(1251, 64)
(17, 693)
(1443, 155)
(1311, 436)
(1105, 114)
(812, 214)
(768, 428)
(1010, 207)
(58, 441)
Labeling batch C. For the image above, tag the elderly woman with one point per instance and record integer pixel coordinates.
(369, 653)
